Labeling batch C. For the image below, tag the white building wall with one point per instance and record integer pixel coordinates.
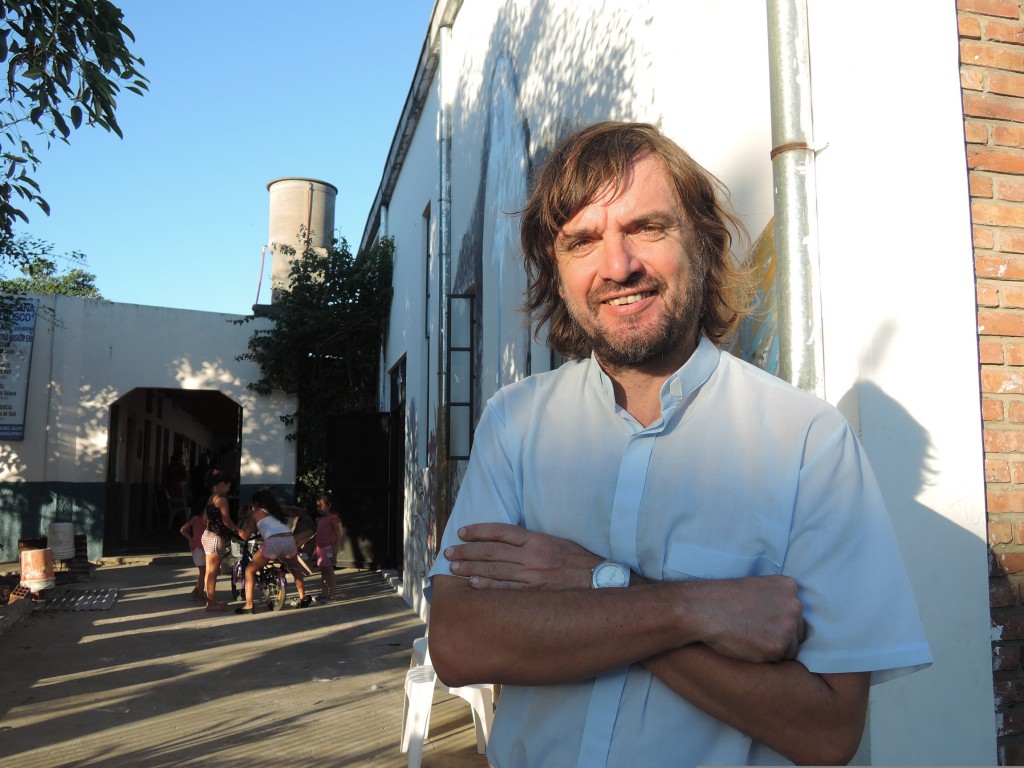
(900, 346)
(413, 334)
(88, 354)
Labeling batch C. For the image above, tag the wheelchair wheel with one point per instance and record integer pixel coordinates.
(237, 581)
(275, 591)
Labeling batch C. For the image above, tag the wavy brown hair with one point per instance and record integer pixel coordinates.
(266, 500)
(581, 167)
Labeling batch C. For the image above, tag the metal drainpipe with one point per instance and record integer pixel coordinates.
(796, 227)
(382, 373)
(444, 269)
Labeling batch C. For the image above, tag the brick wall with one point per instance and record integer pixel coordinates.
(992, 81)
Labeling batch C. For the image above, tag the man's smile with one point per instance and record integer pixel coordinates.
(630, 299)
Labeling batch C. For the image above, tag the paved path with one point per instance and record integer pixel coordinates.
(154, 680)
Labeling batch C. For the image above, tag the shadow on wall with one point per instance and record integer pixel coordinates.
(571, 82)
(29, 508)
(420, 519)
(901, 453)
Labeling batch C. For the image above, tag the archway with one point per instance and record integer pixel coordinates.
(148, 427)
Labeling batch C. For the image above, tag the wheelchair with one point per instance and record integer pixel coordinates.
(271, 579)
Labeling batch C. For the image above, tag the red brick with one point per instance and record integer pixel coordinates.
(1006, 693)
(1006, 85)
(1016, 414)
(982, 186)
(998, 323)
(975, 132)
(1007, 501)
(988, 296)
(997, 214)
(991, 410)
(983, 238)
(1014, 354)
(1003, 441)
(1000, 533)
(1000, 381)
(1009, 189)
(1011, 241)
(998, 471)
(1010, 722)
(1005, 267)
(972, 78)
(1001, 593)
(991, 352)
(992, 107)
(1010, 626)
(1005, 8)
(1016, 472)
(969, 26)
(1010, 753)
(1008, 135)
(1013, 295)
(1004, 659)
(999, 31)
(992, 56)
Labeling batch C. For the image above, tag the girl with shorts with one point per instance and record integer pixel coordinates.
(328, 534)
(219, 526)
(193, 531)
(267, 516)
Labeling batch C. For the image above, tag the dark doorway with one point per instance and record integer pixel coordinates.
(148, 429)
(358, 474)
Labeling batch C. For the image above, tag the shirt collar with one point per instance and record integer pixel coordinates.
(677, 387)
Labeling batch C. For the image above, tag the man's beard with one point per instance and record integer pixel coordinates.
(632, 350)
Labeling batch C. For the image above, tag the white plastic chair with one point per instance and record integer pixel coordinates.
(420, 682)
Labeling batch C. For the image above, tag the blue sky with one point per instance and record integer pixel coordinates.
(241, 92)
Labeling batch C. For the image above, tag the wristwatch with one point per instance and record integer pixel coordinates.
(609, 574)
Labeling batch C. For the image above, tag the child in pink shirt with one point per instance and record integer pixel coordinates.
(328, 536)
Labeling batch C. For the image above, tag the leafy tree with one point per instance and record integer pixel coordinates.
(66, 62)
(39, 273)
(325, 343)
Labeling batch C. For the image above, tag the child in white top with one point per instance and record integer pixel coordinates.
(192, 530)
(267, 516)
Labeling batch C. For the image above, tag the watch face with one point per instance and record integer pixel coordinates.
(609, 574)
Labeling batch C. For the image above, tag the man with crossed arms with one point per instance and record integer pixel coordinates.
(665, 555)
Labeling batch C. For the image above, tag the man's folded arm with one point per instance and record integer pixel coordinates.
(542, 637)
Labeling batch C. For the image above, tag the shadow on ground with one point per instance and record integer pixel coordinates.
(155, 680)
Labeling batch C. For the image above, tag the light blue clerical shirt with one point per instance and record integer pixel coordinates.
(742, 475)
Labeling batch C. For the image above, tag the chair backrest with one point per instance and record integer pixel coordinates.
(420, 651)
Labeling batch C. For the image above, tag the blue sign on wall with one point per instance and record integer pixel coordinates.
(15, 360)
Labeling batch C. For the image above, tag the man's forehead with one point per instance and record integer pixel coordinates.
(652, 190)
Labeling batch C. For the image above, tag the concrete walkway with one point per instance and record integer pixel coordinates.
(154, 680)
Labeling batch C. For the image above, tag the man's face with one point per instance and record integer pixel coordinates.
(626, 273)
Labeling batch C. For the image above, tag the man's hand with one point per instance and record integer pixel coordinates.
(503, 556)
(752, 619)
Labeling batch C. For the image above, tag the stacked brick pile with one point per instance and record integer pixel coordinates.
(992, 80)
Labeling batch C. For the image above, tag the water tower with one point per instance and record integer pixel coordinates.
(298, 205)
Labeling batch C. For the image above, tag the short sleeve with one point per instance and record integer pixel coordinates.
(490, 491)
(859, 608)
